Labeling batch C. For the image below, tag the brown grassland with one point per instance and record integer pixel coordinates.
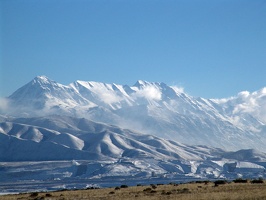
(200, 190)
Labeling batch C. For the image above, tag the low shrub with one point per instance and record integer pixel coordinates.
(34, 194)
(205, 182)
(166, 193)
(257, 181)
(39, 198)
(147, 190)
(240, 180)
(220, 182)
(199, 181)
(92, 188)
(183, 191)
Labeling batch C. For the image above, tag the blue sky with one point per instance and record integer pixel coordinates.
(211, 48)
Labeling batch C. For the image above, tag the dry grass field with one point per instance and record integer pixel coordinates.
(190, 191)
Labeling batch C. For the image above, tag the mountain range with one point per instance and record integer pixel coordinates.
(153, 108)
(109, 133)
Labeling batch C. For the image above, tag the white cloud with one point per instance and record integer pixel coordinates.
(109, 97)
(104, 92)
(247, 107)
(3, 105)
(243, 94)
(221, 101)
(150, 93)
(252, 103)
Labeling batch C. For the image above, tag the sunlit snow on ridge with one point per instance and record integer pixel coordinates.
(150, 107)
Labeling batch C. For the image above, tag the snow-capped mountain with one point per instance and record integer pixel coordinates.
(153, 108)
(59, 136)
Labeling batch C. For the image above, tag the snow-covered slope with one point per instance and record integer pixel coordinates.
(61, 151)
(153, 108)
(26, 139)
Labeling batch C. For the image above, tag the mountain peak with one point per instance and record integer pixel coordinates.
(42, 80)
(140, 83)
(42, 77)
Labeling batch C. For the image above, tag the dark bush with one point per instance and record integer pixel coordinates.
(166, 193)
(205, 182)
(240, 180)
(220, 182)
(39, 198)
(257, 181)
(185, 190)
(199, 181)
(34, 194)
(123, 186)
(62, 190)
(92, 188)
(147, 190)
